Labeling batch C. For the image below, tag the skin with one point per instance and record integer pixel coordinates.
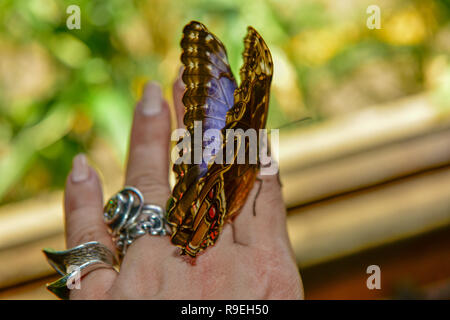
(252, 258)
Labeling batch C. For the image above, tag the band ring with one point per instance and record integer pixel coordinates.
(128, 218)
(76, 262)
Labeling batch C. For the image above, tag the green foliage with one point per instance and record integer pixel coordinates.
(61, 90)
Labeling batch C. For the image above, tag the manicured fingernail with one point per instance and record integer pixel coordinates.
(80, 169)
(151, 101)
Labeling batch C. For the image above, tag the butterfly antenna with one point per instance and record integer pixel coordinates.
(295, 122)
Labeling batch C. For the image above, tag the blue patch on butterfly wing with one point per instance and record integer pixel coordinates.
(210, 84)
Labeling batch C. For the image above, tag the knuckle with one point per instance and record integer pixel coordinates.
(270, 183)
(85, 233)
(271, 192)
(152, 186)
(87, 209)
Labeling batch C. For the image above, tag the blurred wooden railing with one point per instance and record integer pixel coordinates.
(369, 178)
(352, 183)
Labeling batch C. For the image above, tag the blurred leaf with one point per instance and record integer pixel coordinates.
(24, 146)
(69, 49)
(111, 112)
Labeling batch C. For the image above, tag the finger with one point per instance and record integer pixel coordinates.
(177, 93)
(148, 166)
(148, 159)
(84, 206)
(262, 220)
(84, 222)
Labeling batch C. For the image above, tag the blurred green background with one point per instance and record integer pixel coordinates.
(65, 91)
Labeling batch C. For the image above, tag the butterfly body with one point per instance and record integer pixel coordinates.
(210, 193)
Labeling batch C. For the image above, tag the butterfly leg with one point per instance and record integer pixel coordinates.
(279, 180)
(260, 182)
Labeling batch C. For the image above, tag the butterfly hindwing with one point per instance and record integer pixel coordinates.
(250, 109)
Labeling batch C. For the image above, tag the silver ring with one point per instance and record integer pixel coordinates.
(128, 218)
(76, 262)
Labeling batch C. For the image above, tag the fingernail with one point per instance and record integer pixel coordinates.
(80, 169)
(151, 101)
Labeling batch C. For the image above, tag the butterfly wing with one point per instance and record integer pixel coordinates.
(197, 205)
(209, 194)
(250, 110)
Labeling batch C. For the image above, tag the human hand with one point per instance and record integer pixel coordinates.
(252, 258)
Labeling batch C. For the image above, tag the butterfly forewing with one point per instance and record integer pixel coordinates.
(209, 95)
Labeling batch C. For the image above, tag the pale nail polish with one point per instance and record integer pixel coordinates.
(151, 101)
(80, 169)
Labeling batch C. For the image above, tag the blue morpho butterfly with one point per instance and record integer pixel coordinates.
(209, 194)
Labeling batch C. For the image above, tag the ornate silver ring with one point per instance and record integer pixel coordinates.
(128, 218)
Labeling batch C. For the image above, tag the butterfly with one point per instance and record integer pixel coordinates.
(208, 194)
